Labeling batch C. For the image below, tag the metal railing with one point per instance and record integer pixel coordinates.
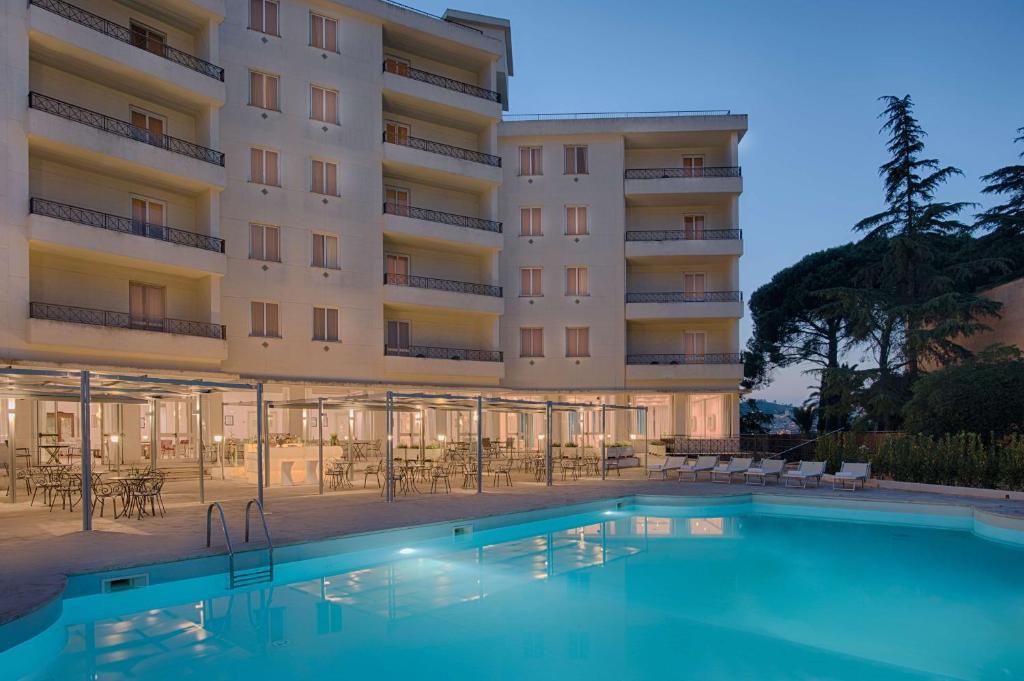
(444, 149)
(442, 284)
(433, 16)
(117, 223)
(672, 359)
(685, 297)
(124, 320)
(585, 115)
(662, 173)
(428, 352)
(118, 32)
(439, 216)
(683, 235)
(121, 128)
(401, 69)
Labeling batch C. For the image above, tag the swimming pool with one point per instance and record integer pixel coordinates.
(626, 591)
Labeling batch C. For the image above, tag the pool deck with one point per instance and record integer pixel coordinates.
(39, 548)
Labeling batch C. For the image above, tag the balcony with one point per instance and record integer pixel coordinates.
(450, 98)
(441, 163)
(665, 186)
(459, 296)
(455, 354)
(424, 362)
(652, 368)
(124, 320)
(439, 226)
(683, 305)
(442, 285)
(669, 242)
(673, 359)
(444, 149)
(398, 68)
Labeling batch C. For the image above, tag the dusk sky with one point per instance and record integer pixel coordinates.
(808, 74)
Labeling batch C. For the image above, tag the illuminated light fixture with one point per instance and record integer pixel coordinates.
(406, 551)
(609, 512)
(11, 404)
(440, 438)
(218, 438)
(115, 439)
(541, 436)
(632, 436)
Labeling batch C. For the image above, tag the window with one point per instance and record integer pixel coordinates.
(576, 281)
(693, 166)
(324, 178)
(694, 344)
(149, 127)
(148, 39)
(396, 200)
(576, 220)
(148, 216)
(530, 159)
(264, 320)
(693, 226)
(263, 167)
(325, 251)
(576, 159)
(325, 324)
(324, 104)
(397, 342)
(397, 268)
(693, 286)
(577, 341)
(531, 342)
(529, 222)
(530, 282)
(263, 89)
(146, 306)
(397, 65)
(264, 242)
(263, 16)
(323, 32)
(396, 133)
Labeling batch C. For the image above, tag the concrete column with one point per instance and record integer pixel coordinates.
(733, 152)
(208, 42)
(208, 213)
(131, 433)
(208, 127)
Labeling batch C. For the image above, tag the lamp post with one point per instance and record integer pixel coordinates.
(217, 440)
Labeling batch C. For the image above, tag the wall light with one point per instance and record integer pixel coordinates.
(218, 438)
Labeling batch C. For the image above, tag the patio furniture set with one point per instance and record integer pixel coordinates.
(742, 467)
(138, 492)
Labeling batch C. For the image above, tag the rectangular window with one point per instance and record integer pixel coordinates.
(325, 324)
(693, 166)
(577, 341)
(263, 89)
(530, 222)
(264, 318)
(530, 160)
(323, 32)
(146, 306)
(325, 251)
(264, 242)
(148, 39)
(531, 342)
(149, 127)
(263, 167)
(577, 281)
(398, 337)
(397, 65)
(324, 178)
(576, 220)
(263, 16)
(693, 226)
(576, 159)
(396, 133)
(397, 268)
(323, 104)
(396, 200)
(530, 282)
(694, 344)
(148, 217)
(693, 286)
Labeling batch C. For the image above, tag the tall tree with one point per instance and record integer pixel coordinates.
(924, 288)
(1004, 222)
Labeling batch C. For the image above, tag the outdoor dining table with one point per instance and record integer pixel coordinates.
(127, 484)
(53, 451)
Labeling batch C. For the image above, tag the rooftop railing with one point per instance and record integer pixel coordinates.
(444, 149)
(452, 286)
(663, 173)
(685, 297)
(673, 359)
(124, 320)
(117, 223)
(429, 352)
(683, 234)
(403, 69)
(438, 216)
(125, 35)
(121, 128)
(586, 115)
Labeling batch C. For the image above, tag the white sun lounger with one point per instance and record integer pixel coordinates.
(808, 470)
(851, 473)
(671, 463)
(737, 465)
(759, 474)
(704, 464)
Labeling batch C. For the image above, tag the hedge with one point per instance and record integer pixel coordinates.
(965, 459)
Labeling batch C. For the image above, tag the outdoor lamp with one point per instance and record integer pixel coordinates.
(115, 439)
(218, 438)
(440, 438)
(632, 436)
(11, 404)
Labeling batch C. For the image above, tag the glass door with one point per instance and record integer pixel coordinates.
(398, 337)
(146, 306)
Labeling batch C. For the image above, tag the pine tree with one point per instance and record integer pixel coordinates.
(1005, 222)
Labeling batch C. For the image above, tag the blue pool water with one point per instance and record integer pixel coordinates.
(641, 593)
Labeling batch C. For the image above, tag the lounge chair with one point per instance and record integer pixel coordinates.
(851, 473)
(808, 470)
(725, 472)
(704, 464)
(672, 462)
(758, 475)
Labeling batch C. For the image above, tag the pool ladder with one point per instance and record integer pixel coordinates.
(246, 577)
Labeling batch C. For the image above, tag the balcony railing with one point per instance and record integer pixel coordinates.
(685, 297)
(121, 128)
(444, 149)
(116, 223)
(683, 235)
(662, 173)
(124, 320)
(428, 352)
(442, 284)
(438, 216)
(118, 32)
(402, 69)
(672, 359)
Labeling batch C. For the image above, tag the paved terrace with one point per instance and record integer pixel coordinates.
(39, 548)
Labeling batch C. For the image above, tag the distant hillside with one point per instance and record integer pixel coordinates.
(773, 408)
